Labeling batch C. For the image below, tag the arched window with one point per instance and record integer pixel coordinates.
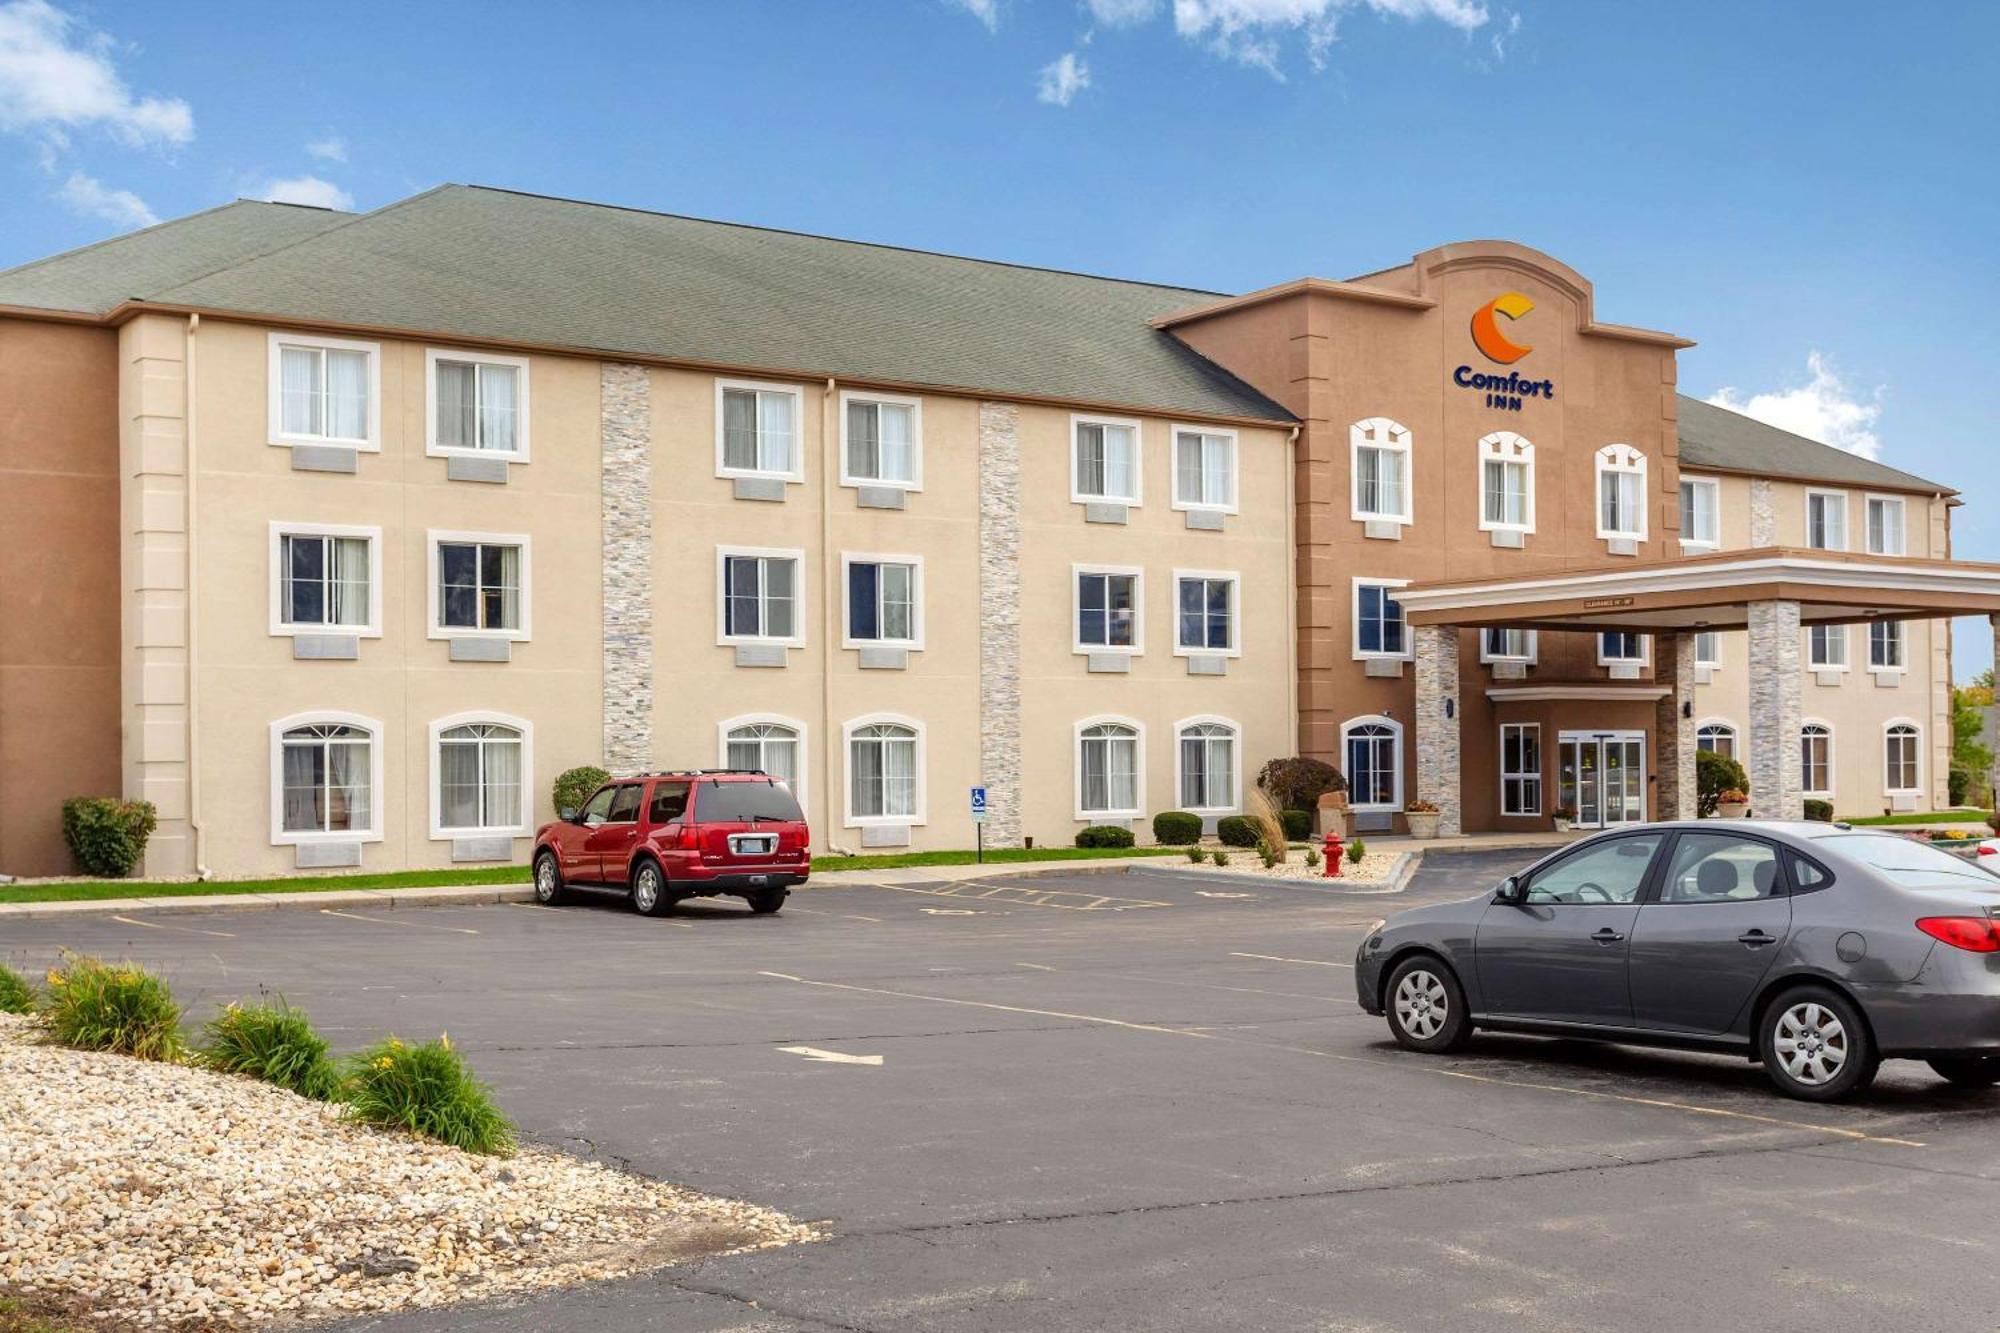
(326, 769)
(885, 771)
(1379, 459)
(1206, 765)
(1108, 774)
(1506, 483)
(1716, 738)
(479, 768)
(1902, 744)
(1371, 751)
(1621, 493)
(768, 742)
(1816, 759)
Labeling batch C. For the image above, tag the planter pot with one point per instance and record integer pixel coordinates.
(1733, 809)
(1562, 825)
(1423, 824)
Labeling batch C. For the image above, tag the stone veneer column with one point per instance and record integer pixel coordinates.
(625, 513)
(1776, 783)
(1000, 620)
(1437, 724)
(1763, 513)
(1673, 727)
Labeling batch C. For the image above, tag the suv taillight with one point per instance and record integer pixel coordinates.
(1976, 934)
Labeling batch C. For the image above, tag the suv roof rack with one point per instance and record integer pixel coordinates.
(708, 773)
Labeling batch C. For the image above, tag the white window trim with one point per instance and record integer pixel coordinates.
(1847, 649)
(1354, 623)
(1396, 729)
(1235, 763)
(1493, 449)
(1399, 440)
(1174, 468)
(916, 406)
(432, 449)
(281, 530)
(851, 820)
(1235, 648)
(1735, 732)
(439, 833)
(1902, 503)
(1138, 771)
(1826, 793)
(274, 392)
(276, 778)
(916, 562)
(729, 724)
(1077, 645)
(1713, 486)
(1077, 494)
(1868, 646)
(1500, 764)
(1620, 458)
(1713, 663)
(1883, 756)
(1531, 657)
(434, 607)
(723, 637)
(1645, 657)
(1846, 520)
(797, 473)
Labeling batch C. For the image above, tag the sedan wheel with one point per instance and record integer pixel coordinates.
(1816, 1046)
(1426, 1007)
(548, 880)
(649, 890)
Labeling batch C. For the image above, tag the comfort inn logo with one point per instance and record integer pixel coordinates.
(1506, 392)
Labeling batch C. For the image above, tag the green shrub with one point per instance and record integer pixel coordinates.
(1956, 783)
(95, 1006)
(1715, 774)
(275, 1043)
(1104, 835)
(107, 836)
(573, 786)
(1355, 851)
(1236, 831)
(16, 995)
(1196, 855)
(1298, 824)
(1220, 857)
(1819, 811)
(1267, 853)
(1312, 857)
(1174, 827)
(1297, 784)
(428, 1090)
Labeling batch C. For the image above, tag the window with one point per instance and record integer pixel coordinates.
(480, 772)
(1620, 647)
(1602, 872)
(746, 803)
(1204, 468)
(1520, 768)
(597, 809)
(1816, 758)
(1621, 493)
(324, 391)
(760, 596)
(757, 429)
(1716, 738)
(479, 404)
(625, 800)
(1885, 525)
(1826, 520)
(1499, 644)
(1701, 513)
(1720, 868)
(1506, 483)
(1205, 612)
(881, 441)
(1371, 749)
(479, 585)
(325, 580)
(1826, 647)
(1379, 451)
(885, 764)
(1107, 770)
(1206, 774)
(884, 600)
(670, 802)
(1104, 461)
(1708, 649)
(770, 744)
(1885, 645)
(1107, 610)
(325, 771)
(1900, 741)
(1379, 630)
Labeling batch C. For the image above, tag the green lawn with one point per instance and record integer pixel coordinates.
(86, 890)
(1934, 817)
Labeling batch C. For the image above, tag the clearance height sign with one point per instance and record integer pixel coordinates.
(1506, 392)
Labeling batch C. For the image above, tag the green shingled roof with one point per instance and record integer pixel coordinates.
(1715, 437)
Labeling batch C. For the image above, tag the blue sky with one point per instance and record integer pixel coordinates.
(1807, 191)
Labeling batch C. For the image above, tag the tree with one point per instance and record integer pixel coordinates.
(1971, 759)
(1715, 774)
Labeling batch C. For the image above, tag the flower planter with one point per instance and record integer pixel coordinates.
(1423, 823)
(1732, 809)
(1562, 825)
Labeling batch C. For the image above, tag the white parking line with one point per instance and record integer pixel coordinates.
(162, 925)
(408, 925)
(1310, 962)
(831, 1057)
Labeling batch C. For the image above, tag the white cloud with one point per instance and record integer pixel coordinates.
(986, 11)
(1121, 13)
(1063, 79)
(90, 197)
(309, 190)
(56, 75)
(333, 148)
(1252, 31)
(1822, 410)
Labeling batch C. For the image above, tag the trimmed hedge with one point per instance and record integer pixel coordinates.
(1237, 831)
(1298, 783)
(1298, 824)
(107, 836)
(573, 786)
(1105, 835)
(1172, 828)
(1819, 811)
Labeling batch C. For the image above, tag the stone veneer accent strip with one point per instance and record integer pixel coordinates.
(1000, 620)
(1437, 734)
(1763, 513)
(1673, 728)
(625, 513)
(1776, 783)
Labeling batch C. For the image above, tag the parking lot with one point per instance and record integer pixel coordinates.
(1124, 1102)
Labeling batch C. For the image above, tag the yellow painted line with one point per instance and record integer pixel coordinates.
(385, 921)
(1654, 1102)
(1310, 962)
(162, 925)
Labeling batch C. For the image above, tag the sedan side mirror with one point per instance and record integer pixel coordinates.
(1511, 892)
(567, 814)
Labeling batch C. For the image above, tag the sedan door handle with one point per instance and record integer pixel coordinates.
(1755, 937)
(1607, 935)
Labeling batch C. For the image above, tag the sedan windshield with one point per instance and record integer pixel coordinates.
(1914, 864)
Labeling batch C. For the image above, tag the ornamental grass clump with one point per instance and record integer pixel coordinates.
(275, 1043)
(427, 1089)
(16, 995)
(98, 1006)
(1263, 813)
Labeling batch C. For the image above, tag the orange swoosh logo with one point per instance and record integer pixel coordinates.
(1486, 333)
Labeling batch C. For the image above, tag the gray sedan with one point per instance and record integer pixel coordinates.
(1817, 950)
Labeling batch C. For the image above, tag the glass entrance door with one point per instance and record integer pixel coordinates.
(1603, 777)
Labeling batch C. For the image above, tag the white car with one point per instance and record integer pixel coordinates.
(1987, 855)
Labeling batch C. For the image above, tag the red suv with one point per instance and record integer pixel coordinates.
(669, 836)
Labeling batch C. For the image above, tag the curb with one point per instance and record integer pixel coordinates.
(1400, 874)
(441, 895)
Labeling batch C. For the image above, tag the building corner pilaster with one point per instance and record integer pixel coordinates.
(1674, 727)
(1776, 712)
(625, 515)
(1000, 620)
(1437, 720)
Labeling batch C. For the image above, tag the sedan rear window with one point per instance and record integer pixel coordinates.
(741, 802)
(1913, 863)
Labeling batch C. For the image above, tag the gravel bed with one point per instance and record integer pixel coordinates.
(170, 1194)
(1373, 868)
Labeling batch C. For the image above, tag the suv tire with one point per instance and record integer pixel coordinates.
(549, 887)
(767, 902)
(1816, 1046)
(1426, 1006)
(650, 896)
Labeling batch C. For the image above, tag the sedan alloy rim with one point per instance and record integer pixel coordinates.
(1421, 1004)
(1811, 1043)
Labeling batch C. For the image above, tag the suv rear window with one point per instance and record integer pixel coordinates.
(741, 802)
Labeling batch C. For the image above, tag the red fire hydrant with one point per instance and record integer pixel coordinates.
(1331, 850)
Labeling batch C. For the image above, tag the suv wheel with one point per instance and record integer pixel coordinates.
(649, 890)
(767, 901)
(1427, 1007)
(1816, 1046)
(1967, 1071)
(548, 880)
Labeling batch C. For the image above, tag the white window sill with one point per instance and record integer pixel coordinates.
(1087, 650)
(1182, 651)
(879, 821)
(1699, 548)
(884, 483)
(742, 474)
(440, 633)
(453, 451)
(351, 631)
(1127, 501)
(1385, 657)
(1384, 518)
(448, 834)
(902, 645)
(359, 446)
(308, 839)
(1191, 507)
